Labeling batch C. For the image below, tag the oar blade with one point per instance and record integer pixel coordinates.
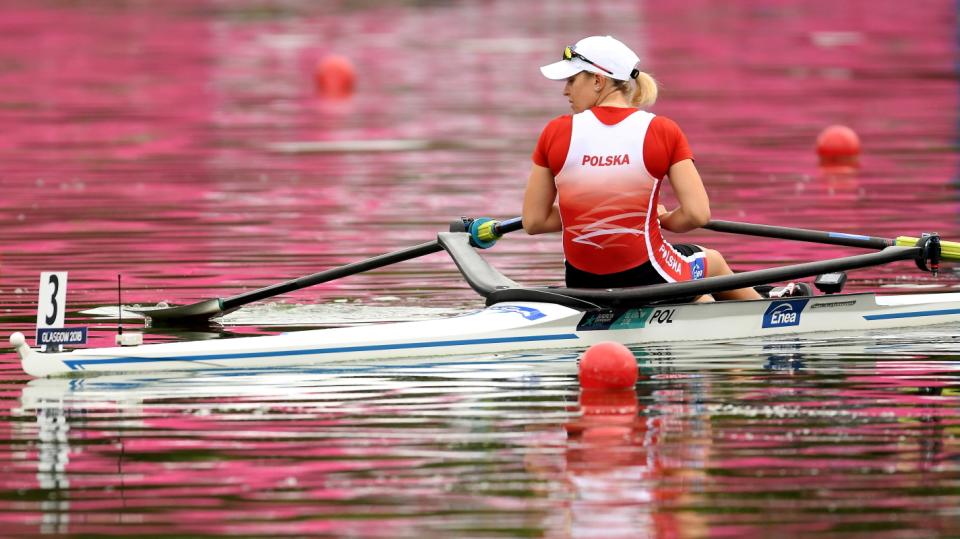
(184, 314)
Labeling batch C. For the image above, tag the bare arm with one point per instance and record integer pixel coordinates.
(540, 212)
(694, 210)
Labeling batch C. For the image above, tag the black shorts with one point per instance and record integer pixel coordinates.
(642, 275)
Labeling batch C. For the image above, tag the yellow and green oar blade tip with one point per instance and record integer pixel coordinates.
(949, 250)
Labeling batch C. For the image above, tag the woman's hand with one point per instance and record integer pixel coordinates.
(694, 210)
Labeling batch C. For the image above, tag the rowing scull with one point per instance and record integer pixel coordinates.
(521, 319)
(516, 326)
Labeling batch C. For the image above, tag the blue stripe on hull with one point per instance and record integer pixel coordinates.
(80, 363)
(911, 315)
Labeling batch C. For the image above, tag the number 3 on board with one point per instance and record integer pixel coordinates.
(53, 299)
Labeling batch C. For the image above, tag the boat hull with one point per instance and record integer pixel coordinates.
(520, 326)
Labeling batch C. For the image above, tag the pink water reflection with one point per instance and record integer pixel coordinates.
(687, 454)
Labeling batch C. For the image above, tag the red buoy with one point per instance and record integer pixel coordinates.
(606, 413)
(838, 144)
(335, 77)
(608, 365)
(611, 402)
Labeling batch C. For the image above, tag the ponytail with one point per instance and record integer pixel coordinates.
(643, 95)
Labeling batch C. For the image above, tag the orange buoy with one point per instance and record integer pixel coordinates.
(608, 365)
(838, 145)
(335, 77)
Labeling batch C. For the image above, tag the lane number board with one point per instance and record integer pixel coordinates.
(51, 308)
(53, 297)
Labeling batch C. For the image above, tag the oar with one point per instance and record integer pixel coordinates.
(204, 310)
(950, 250)
(710, 285)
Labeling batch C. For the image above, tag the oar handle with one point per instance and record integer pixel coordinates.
(800, 234)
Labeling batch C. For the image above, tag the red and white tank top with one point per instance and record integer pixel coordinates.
(608, 202)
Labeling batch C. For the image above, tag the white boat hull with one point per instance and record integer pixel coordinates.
(514, 327)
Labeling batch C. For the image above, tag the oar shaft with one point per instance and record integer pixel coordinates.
(800, 234)
(204, 310)
(510, 225)
(331, 274)
(709, 285)
(402, 255)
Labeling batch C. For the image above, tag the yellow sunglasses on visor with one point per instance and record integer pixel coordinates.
(570, 54)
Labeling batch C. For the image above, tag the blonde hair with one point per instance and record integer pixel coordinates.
(645, 92)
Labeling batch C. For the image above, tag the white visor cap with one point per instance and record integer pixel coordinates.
(604, 51)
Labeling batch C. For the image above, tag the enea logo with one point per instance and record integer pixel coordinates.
(782, 314)
(696, 268)
(527, 312)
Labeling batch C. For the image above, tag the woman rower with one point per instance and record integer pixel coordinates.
(606, 162)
